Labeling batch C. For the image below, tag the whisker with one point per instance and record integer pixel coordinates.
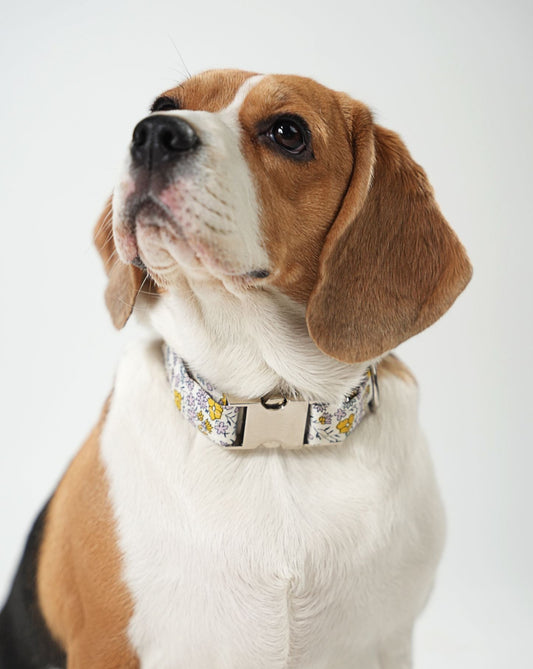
(189, 75)
(210, 209)
(100, 226)
(142, 284)
(114, 254)
(216, 196)
(116, 261)
(214, 229)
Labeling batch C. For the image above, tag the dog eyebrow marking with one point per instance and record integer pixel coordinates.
(242, 93)
(230, 114)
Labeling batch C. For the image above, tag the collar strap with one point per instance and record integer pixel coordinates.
(272, 420)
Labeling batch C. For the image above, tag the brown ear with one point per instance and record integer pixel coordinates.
(125, 281)
(390, 265)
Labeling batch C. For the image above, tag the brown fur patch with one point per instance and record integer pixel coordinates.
(391, 365)
(83, 599)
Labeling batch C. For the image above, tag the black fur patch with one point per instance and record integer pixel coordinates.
(25, 640)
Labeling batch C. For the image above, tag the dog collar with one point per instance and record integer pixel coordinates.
(272, 420)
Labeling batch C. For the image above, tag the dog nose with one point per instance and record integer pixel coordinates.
(160, 139)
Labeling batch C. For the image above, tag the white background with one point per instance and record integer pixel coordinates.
(454, 78)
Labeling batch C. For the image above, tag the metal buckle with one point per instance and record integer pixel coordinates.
(271, 421)
(373, 404)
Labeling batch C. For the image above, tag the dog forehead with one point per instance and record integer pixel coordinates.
(216, 90)
(286, 90)
(210, 91)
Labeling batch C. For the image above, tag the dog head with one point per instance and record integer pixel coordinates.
(276, 183)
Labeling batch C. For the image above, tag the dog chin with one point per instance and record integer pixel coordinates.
(163, 252)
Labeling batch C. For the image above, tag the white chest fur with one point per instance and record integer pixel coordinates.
(274, 559)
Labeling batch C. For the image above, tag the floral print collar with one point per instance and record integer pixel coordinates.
(266, 421)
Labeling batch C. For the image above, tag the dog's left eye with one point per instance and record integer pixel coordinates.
(289, 134)
(164, 103)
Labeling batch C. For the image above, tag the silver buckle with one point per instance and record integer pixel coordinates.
(271, 421)
(373, 403)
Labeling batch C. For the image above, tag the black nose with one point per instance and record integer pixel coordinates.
(161, 139)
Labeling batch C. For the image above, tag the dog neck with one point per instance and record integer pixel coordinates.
(249, 344)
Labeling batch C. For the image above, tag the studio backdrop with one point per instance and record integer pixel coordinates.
(454, 79)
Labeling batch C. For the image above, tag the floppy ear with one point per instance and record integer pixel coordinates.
(124, 280)
(390, 265)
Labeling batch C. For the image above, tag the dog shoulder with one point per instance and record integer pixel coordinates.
(82, 596)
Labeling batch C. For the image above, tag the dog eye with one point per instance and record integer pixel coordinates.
(289, 134)
(164, 103)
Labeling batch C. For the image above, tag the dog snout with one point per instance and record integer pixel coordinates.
(161, 139)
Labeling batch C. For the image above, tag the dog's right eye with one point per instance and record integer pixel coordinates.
(164, 103)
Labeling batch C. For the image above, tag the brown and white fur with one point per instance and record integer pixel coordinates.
(264, 269)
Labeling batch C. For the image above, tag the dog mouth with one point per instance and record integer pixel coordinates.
(158, 240)
(150, 212)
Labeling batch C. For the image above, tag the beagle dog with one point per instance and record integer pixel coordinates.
(249, 497)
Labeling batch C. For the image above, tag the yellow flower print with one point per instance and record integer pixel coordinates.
(200, 415)
(208, 426)
(346, 424)
(215, 410)
(177, 399)
(322, 419)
